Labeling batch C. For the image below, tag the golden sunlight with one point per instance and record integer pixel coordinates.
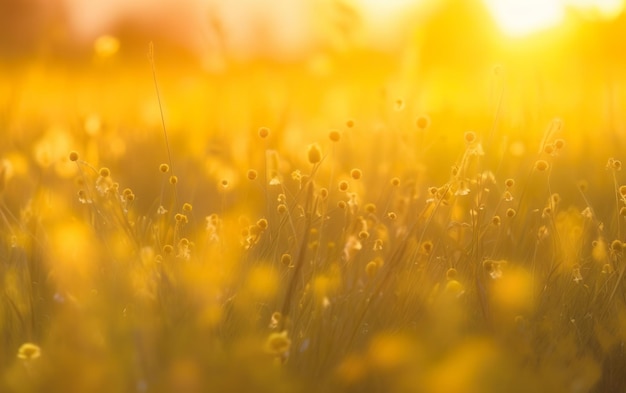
(521, 17)
(313, 195)
(518, 18)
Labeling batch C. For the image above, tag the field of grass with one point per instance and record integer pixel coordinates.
(447, 217)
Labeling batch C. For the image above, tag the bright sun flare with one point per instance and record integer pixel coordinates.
(521, 17)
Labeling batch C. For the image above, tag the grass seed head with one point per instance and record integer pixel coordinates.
(104, 172)
(262, 223)
(278, 344)
(73, 156)
(617, 246)
(164, 168)
(356, 173)
(613, 164)
(469, 137)
(264, 132)
(314, 154)
(541, 165)
(252, 174)
(422, 122)
(334, 136)
(371, 269)
(168, 249)
(285, 259)
(28, 351)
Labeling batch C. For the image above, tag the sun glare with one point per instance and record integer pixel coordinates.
(518, 18)
(521, 17)
(605, 9)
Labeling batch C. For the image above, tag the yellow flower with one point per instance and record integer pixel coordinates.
(29, 351)
(278, 343)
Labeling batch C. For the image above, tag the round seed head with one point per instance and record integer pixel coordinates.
(281, 208)
(168, 249)
(264, 132)
(510, 212)
(371, 269)
(451, 274)
(252, 174)
(356, 173)
(262, 223)
(343, 186)
(104, 172)
(469, 136)
(350, 123)
(548, 149)
(334, 136)
(509, 183)
(341, 204)
(278, 344)
(285, 259)
(541, 165)
(392, 216)
(495, 221)
(617, 165)
(488, 265)
(164, 168)
(173, 179)
(395, 181)
(422, 122)
(427, 247)
(73, 156)
(617, 246)
(622, 191)
(187, 207)
(370, 208)
(559, 143)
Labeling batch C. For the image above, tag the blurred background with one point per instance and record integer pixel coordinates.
(77, 72)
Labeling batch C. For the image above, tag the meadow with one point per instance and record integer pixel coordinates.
(445, 217)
